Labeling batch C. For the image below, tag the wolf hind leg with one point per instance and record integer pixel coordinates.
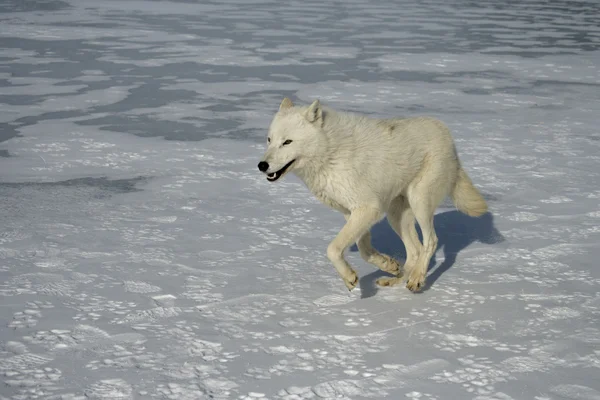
(380, 260)
(402, 220)
(424, 196)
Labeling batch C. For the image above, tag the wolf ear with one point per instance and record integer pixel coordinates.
(314, 112)
(286, 103)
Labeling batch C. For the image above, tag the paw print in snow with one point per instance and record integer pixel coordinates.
(258, 373)
(534, 308)
(25, 319)
(420, 396)
(253, 396)
(87, 317)
(296, 393)
(295, 322)
(140, 287)
(33, 383)
(29, 317)
(355, 322)
(478, 375)
(482, 326)
(39, 304)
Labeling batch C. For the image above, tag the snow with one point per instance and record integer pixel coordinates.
(143, 256)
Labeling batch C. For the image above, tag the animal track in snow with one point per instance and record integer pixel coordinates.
(109, 389)
(456, 342)
(59, 339)
(140, 287)
(13, 235)
(25, 319)
(164, 220)
(36, 383)
(576, 392)
(252, 396)
(356, 322)
(25, 374)
(419, 395)
(482, 326)
(477, 376)
(524, 216)
(93, 307)
(49, 284)
(25, 361)
(295, 322)
(152, 314)
(556, 200)
(213, 388)
(201, 289)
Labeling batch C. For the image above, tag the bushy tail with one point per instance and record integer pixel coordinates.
(466, 197)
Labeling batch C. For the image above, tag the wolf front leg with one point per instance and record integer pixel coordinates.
(357, 224)
(372, 256)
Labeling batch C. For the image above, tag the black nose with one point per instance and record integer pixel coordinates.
(263, 166)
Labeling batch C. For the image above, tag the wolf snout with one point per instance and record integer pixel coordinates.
(263, 166)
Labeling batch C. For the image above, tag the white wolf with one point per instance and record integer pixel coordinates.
(366, 167)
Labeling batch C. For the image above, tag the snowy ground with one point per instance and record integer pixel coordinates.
(142, 255)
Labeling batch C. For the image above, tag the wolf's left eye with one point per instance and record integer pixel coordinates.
(287, 142)
(268, 140)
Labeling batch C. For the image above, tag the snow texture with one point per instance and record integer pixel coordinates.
(143, 256)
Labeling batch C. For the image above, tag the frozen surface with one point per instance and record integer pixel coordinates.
(142, 255)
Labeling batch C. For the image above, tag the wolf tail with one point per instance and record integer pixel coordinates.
(466, 197)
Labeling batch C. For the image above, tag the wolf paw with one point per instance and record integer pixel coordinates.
(351, 281)
(389, 281)
(416, 282)
(389, 265)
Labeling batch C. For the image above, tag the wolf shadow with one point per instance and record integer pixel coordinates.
(455, 231)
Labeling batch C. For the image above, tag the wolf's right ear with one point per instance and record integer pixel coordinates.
(286, 103)
(314, 112)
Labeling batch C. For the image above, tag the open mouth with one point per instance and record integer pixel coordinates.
(272, 177)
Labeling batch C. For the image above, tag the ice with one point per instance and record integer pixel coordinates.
(143, 255)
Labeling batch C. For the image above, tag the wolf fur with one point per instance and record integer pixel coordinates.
(364, 168)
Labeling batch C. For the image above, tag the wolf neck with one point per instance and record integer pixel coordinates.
(320, 156)
(320, 165)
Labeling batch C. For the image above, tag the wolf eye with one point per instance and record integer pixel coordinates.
(287, 142)
(268, 140)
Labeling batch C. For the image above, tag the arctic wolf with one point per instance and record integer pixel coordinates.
(364, 168)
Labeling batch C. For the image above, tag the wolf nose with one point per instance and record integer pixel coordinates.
(263, 166)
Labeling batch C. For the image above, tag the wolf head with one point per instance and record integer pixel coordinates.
(294, 139)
